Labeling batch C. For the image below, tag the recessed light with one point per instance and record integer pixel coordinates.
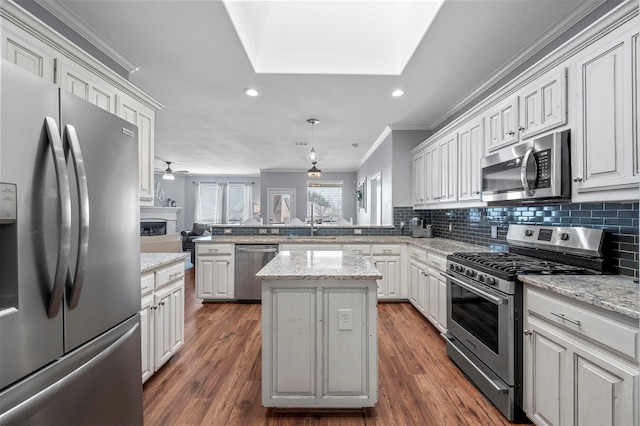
(251, 92)
(397, 93)
(355, 145)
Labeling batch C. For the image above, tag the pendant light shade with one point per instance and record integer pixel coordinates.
(313, 156)
(168, 173)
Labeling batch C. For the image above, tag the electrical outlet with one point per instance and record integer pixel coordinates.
(357, 231)
(262, 231)
(450, 227)
(275, 231)
(494, 231)
(401, 226)
(344, 319)
(228, 231)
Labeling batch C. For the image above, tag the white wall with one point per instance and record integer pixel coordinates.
(174, 190)
(403, 141)
(298, 181)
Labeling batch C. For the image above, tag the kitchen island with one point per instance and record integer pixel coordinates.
(319, 330)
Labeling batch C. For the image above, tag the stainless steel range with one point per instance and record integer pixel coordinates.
(484, 303)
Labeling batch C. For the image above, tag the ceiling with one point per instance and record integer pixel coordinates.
(192, 60)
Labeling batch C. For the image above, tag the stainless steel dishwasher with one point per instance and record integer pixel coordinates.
(250, 258)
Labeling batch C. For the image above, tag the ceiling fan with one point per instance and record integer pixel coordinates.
(168, 173)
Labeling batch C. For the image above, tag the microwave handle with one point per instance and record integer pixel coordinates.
(523, 172)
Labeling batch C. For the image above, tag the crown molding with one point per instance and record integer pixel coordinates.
(73, 21)
(375, 146)
(579, 12)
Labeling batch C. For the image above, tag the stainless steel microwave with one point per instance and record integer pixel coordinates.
(535, 170)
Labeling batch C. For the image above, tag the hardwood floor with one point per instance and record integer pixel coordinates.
(214, 379)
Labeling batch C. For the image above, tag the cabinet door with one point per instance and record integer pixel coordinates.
(603, 142)
(448, 151)
(80, 82)
(163, 327)
(432, 174)
(442, 304)
(418, 179)
(27, 52)
(470, 148)
(214, 277)
(136, 113)
(636, 99)
(543, 104)
(432, 296)
(546, 378)
(177, 316)
(502, 122)
(389, 286)
(147, 330)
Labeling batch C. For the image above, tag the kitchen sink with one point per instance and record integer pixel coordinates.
(307, 237)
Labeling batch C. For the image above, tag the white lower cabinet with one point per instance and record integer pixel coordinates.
(388, 260)
(436, 308)
(580, 363)
(161, 316)
(418, 278)
(215, 268)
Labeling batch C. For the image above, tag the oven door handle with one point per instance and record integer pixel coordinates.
(490, 297)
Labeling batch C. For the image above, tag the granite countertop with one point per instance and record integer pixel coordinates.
(442, 246)
(149, 261)
(318, 265)
(615, 293)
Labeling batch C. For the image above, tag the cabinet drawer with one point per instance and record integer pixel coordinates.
(385, 249)
(581, 320)
(147, 281)
(215, 249)
(362, 249)
(437, 261)
(169, 274)
(417, 254)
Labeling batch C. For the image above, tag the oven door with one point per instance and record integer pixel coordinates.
(483, 320)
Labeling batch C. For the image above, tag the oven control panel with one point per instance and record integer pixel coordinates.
(573, 240)
(472, 274)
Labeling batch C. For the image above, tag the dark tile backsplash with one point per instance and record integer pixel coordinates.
(473, 226)
(621, 220)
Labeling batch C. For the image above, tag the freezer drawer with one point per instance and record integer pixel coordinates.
(97, 384)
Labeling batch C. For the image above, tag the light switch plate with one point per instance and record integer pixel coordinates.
(494, 231)
(228, 231)
(262, 231)
(275, 231)
(357, 231)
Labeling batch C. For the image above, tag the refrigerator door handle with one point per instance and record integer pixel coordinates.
(21, 412)
(64, 198)
(83, 207)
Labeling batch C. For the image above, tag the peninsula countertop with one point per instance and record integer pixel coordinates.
(615, 293)
(318, 265)
(442, 246)
(149, 261)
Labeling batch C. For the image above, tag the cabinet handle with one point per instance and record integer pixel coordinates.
(521, 129)
(176, 275)
(527, 332)
(386, 251)
(154, 307)
(211, 250)
(477, 192)
(511, 133)
(577, 179)
(161, 303)
(563, 317)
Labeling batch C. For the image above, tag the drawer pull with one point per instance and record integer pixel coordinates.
(562, 316)
(212, 250)
(527, 332)
(176, 275)
(386, 251)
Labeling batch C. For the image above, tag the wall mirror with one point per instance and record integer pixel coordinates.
(280, 205)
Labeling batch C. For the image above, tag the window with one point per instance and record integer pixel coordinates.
(208, 203)
(325, 198)
(235, 203)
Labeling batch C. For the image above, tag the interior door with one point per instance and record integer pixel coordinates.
(29, 244)
(105, 238)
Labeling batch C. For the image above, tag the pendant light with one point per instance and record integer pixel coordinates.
(168, 173)
(313, 157)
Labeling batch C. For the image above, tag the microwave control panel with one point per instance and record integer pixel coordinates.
(543, 158)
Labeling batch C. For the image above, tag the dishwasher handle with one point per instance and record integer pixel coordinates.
(257, 250)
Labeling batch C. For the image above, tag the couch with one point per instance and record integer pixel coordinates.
(188, 237)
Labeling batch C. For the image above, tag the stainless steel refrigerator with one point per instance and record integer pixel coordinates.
(69, 259)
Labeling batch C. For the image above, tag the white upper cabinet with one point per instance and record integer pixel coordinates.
(79, 81)
(432, 174)
(448, 153)
(136, 113)
(418, 179)
(27, 52)
(502, 125)
(470, 150)
(543, 104)
(603, 140)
